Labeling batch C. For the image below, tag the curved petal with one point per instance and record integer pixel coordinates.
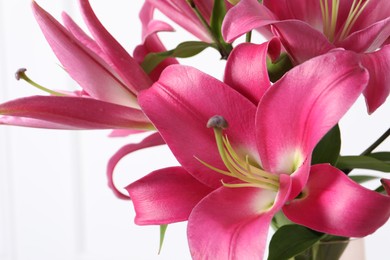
(127, 68)
(369, 38)
(244, 17)
(375, 11)
(165, 196)
(151, 42)
(386, 185)
(73, 113)
(150, 141)
(85, 40)
(233, 223)
(246, 69)
(304, 10)
(378, 89)
(301, 41)
(84, 66)
(300, 108)
(181, 13)
(336, 205)
(180, 105)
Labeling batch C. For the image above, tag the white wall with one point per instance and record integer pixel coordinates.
(54, 202)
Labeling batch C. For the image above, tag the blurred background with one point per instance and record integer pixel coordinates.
(54, 200)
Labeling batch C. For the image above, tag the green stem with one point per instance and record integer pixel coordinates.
(372, 147)
(248, 36)
(223, 50)
(376, 143)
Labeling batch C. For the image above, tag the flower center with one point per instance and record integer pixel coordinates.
(239, 167)
(330, 10)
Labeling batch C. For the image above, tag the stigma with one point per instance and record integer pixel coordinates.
(239, 166)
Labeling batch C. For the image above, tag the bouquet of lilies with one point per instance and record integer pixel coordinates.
(259, 148)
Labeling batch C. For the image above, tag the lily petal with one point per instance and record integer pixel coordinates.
(336, 205)
(301, 41)
(85, 40)
(181, 13)
(150, 141)
(324, 88)
(378, 89)
(127, 68)
(165, 196)
(386, 185)
(238, 219)
(244, 17)
(246, 69)
(84, 66)
(368, 39)
(73, 113)
(151, 42)
(181, 91)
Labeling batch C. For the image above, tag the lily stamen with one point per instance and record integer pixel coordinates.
(242, 169)
(21, 74)
(330, 16)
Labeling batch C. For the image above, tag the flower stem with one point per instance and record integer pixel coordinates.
(376, 143)
(223, 48)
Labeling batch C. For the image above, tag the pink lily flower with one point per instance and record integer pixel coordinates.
(110, 79)
(309, 28)
(181, 12)
(257, 160)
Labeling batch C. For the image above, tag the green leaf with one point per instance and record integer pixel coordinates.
(362, 178)
(183, 50)
(291, 240)
(218, 13)
(163, 229)
(362, 162)
(383, 156)
(328, 149)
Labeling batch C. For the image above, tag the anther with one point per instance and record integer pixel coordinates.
(20, 73)
(218, 122)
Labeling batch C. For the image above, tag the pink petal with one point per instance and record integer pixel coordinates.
(151, 42)
(85, 40)
(84, 66)
(124, 132)
(181, 103)
(386, 185)
(150, 141)
(232, 223)
(299, 109)
(72, 113)
(244, 17)
(332, 203)
(304, 10)
(301, 41)
(375, 11)
(165, 196)
(126, 67)
(246, 69)
(378, 89)
(181, 13)
(149, 24)
(369, 38)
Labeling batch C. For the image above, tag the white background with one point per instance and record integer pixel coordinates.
(54, 201)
